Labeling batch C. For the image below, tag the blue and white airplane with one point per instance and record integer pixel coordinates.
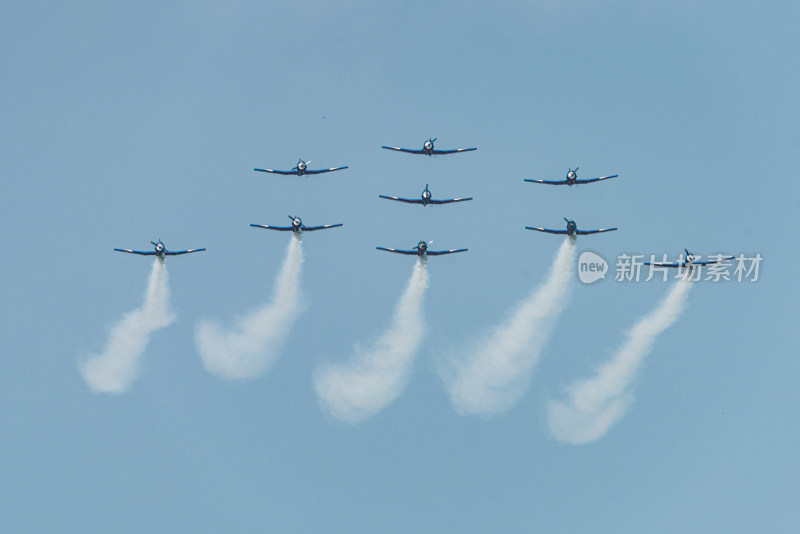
(688, 261)
(302, 168)
(571, 179)
(160, 251)
(422, 251)
(426, 199)
(427, 149)
(572, 229)
(297, 226)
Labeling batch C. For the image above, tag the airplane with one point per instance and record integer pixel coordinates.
(572, 229)
(427, 149)
(302, 168)
(422, 250)
(572, 179)
(689, 261)
(426, 199)
(297, 226)
(159, 251)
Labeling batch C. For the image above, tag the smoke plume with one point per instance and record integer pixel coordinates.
(113, 370)
(376, 375)
(252, 345)
(594, 404)
(495, 374)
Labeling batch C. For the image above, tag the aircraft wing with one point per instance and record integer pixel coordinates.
(408, 200)
(549, 231)
(661, 264)
(397, 251)
(447, 200)
(129, 251)
(273, 171)
(279, 228)
(323, 227)
(453, 151)
(179, 252)
(590, 180)
(320, 171)
(410, 151)
(551, 182)
(587, 232)
(712, 261)
(443, 252)
(684, 264)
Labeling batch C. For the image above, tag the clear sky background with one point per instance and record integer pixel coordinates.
(121, 124)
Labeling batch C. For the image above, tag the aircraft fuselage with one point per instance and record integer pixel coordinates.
(297, 226)
(426, 197)
(572, 228)
(160, 250)
(572, 176)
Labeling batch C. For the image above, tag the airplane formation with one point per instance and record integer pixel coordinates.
(421, 250)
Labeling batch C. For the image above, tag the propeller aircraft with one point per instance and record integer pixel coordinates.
(571, 179)
(572, 230)
(297, 226)
(302, 168)
(687, 261)
(427, 149)
(425, 199)
(160, 251)
(422, 251)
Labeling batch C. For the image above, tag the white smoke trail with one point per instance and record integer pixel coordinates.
(495, 375)
(251, 346)
(117, 366)
(595, 404)
(376, 376)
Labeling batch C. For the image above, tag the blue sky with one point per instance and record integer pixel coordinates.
(125, 124)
